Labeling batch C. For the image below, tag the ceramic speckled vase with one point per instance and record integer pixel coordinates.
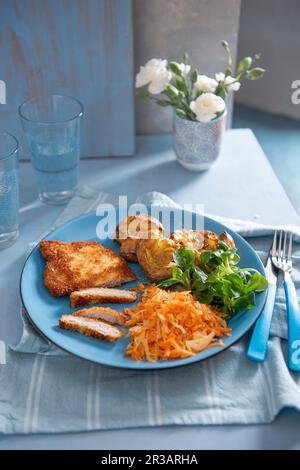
(197, 144)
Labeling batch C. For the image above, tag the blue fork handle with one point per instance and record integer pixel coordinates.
(258, 345)
(293, 315)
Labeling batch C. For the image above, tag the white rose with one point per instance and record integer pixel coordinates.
(230, 83)
(154, 74)
(207, 106)
(205, 83)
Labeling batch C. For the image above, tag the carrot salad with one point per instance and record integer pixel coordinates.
(172, 325)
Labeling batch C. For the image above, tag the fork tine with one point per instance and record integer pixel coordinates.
(284, 254)
(279, 245)
(273, 249)
(290, 248)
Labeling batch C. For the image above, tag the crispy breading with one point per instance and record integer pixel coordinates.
(79, 265)
(101, 295)
(90, 327)
(102, 313)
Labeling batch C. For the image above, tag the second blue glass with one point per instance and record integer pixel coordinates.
(52, 126)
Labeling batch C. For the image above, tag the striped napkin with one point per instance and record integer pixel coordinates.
(43, 389)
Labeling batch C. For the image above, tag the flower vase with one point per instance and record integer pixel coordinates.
(197, 144)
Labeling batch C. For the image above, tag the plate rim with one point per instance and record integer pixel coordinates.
(165, 365)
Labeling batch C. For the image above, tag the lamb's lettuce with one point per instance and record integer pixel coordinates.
(215, 278)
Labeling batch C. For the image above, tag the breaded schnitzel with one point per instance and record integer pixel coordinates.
(79, 265)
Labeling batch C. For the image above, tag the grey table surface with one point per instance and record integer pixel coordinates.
(242, 185)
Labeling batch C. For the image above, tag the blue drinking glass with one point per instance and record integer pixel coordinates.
(9, 189)
(52, 126)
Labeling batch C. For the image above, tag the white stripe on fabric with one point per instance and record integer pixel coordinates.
(218, 413)
(209, 393)
(2, 353)
(37, 398)
(97, 397)
(89, 399)
(204, 375)
(158, 414)
(30, 394)
(270, 388)
(150, 400)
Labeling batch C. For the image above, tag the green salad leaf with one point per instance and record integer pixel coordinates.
(216, 278)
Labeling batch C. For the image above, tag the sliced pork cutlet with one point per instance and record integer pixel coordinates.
(79, 265)
(101, 295)
(102, 313)
(90, 327)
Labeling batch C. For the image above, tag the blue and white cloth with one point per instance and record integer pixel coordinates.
(43, 389)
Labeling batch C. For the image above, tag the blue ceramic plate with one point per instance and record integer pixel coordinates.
(45, 310)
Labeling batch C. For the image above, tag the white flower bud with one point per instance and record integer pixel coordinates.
(230, 83)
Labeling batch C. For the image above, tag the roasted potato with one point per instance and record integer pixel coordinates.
(156, 257)
(133, 229)
(200, 240)
(226, 238)
(128, 249)
(196, 240)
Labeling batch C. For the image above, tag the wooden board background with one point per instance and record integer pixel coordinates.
(81, 48)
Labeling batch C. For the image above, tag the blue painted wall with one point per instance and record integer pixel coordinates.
(76, 47)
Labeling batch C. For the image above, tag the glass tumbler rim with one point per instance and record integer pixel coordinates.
(15, 145)
(43, 122)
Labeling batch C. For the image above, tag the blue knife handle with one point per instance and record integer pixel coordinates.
(293, 316)
(258, 345)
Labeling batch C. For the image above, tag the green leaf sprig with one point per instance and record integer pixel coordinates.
(217, 279)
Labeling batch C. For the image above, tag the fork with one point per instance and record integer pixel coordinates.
(281, 256)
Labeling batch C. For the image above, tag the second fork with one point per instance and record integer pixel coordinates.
(282, 259)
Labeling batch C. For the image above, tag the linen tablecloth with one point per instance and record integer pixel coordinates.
(43, 389)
